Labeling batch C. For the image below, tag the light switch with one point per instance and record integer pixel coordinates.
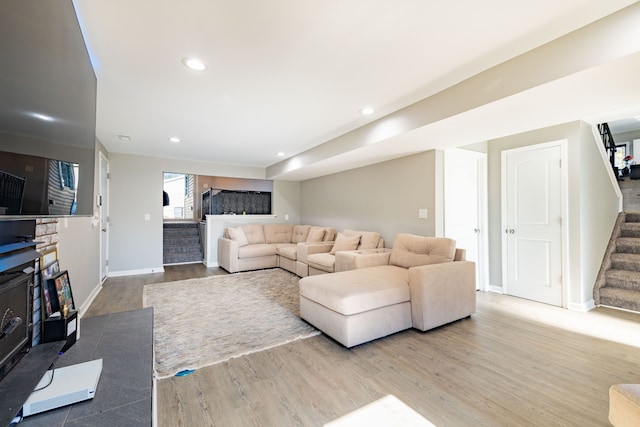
(147, 217)
(422, 213)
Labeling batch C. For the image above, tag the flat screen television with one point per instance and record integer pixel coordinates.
(47, 110)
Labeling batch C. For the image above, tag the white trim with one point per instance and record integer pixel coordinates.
(87, 303)
(582, 307)
(496, 289)
(136, 272)
(210, 264)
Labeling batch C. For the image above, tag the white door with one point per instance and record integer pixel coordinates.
(532, 222)
(103, 206)
(465, 206)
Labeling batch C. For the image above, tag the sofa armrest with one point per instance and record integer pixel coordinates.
(442, 293)
(228, 254)
(351, 260)
(307, 248)
(461, 255)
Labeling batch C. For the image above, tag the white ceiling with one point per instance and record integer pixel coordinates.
(289, 75)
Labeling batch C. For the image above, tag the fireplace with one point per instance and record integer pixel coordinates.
(17, 255)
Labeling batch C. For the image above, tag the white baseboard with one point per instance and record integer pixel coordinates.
(582, 307)
(87, 303)
(210, 264)
(135, 272)
(496, 289)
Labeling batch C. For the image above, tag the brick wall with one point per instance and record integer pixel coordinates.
(47, 233)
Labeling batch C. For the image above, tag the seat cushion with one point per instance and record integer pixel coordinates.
(254, 251)
(287, 250)
(357, 291)
(322, 261)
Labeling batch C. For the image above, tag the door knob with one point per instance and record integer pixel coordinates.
(510, 231)
(104, 229)
(476, 230)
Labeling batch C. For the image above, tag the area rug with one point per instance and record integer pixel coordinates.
(200, 322)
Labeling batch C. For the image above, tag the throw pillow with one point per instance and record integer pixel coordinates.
(316, 234)
(237, 234)
(345, 243)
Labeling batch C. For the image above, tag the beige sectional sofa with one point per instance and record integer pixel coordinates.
(422, 282)
(320, 259)
(257, 246)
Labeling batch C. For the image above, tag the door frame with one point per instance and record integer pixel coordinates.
(102, 203)
(564, 211)
(482, 213)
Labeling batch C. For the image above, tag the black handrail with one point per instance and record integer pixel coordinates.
(609, 144)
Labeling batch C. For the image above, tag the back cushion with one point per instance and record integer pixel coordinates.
(316, 234)
(254, 233)
(410, 250)
(368, 239)
(278, 233)
(236, 233)
(300, 233)
(329, 234)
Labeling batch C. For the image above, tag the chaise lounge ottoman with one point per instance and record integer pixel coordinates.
(423, 282)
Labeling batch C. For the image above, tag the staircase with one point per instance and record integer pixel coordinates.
(181, 243)
(618, 283)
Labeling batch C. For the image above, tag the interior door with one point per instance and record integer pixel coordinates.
(103, 206)
(532, 223)
(464, 206)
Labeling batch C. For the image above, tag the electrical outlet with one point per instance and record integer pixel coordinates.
(423, 213)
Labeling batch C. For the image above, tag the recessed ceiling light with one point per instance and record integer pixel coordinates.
(366, 111)
(124, 137)
(174, 139)
(280, 154)
(42, 117)
(194, 64)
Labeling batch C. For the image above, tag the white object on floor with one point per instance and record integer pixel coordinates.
(388, 411)
(70, 384)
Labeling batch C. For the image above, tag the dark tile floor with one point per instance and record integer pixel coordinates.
(124, 394)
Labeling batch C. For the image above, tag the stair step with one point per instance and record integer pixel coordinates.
(181, 249)
(630, 229)
(623, 279)
(179, 240)
(181, 232)
(624, 261)
(632, 217)
(629, 245)
(181, 225)
(620, 298)
(181, 258)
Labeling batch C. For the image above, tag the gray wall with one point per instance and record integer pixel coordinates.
(384, 197)
(135, 188)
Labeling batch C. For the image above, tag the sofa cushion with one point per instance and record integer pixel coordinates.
(287, 250)
(368, 239)
(345, 243)
(256, 250)
(322, 261)
(316, 234)
(254, 233)
(410, 250)
(357, 291)
(237, 234)
(300, 233)
(329, 234)
(278, 233)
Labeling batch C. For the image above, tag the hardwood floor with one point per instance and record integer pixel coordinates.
(513, 363)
